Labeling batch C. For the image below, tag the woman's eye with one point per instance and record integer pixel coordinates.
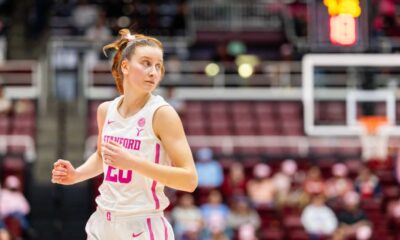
(146, 63)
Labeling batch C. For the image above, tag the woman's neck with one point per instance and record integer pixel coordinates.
(131, 104)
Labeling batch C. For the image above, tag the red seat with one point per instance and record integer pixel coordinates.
(332, 112)
(292, 128)
(244, 127)
(291, 150)
(380, 109)
(263, 108)
(196, 131)
(289, 109)
(241, 108)
(268, 128)
(194, 107)
(391, 192)
(292, 221)
(193, 114)
(272, 233)
(93, 130)
(386, 177)
(217, 107)
(372, 206)
(272, 150)
(349, 151)
(220, 127)
(14, 227)
(4, 125)
(322, 151)
(220, 131)
(298, 234)
(218, 116)
(16, 149)
(248, 150)
(93, 105)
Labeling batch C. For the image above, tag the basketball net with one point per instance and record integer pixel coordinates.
(374, 140)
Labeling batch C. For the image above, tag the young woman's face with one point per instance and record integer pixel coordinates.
(144, 69)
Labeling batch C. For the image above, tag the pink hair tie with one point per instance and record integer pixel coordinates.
(130, 37)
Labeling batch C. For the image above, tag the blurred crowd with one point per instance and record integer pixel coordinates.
(104, 18)
(14, 208)
(235, 201)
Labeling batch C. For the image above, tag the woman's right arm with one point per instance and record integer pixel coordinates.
(64, 173)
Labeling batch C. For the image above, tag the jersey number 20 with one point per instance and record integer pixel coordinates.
(118, 175)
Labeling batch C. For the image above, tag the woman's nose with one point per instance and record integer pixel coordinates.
(152, 70)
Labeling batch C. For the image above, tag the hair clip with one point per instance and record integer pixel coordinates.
(129, 37)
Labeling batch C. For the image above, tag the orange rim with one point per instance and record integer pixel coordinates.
(371, 123)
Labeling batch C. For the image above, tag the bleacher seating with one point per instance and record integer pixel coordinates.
(21, 120)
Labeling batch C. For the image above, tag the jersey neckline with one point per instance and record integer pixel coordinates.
(118, 102)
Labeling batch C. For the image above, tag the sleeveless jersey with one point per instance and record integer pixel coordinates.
(127, 191)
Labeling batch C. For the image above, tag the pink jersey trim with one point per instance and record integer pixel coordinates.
(149, 228)
(153, 186)
(165, 229)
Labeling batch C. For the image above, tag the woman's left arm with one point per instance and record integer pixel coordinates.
(168, 128)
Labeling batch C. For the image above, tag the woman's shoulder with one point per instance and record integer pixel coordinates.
(158, 100)
(106, 104)
(102, 108)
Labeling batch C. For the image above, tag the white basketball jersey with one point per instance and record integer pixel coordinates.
(126, 190)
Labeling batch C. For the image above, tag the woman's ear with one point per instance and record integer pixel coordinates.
(124, 66)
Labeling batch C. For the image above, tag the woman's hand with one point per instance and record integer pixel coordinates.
(117, 156)
(64, 173)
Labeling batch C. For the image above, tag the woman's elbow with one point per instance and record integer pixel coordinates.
(192, 184)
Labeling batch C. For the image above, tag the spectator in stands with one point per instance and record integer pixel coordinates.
(99, 32)
(313, 185)
(152, 18)
(351, 218)
(393, 212)
(174, 68)
(179, 21)
(235, 183)
(298, 13)
(177, 103)
(84, 16)
(221, 54)
(23, 106)
(209, 170)
(243, 215)
(186, 217)
(284, 179)
(318, 219)
(339, 185)
(13, 203)
(385, 19)
(5, 103)
(261, 188)
(214, 214)
(63, 8)
(367, 184)
(396, 32)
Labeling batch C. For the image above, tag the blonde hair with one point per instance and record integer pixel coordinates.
(125, 47)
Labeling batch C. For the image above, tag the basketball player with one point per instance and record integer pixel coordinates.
(137, 131)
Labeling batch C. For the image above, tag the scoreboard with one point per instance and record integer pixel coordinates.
(338, 25)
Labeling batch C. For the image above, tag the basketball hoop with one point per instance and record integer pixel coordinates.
(372, 123)
(374, 141)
